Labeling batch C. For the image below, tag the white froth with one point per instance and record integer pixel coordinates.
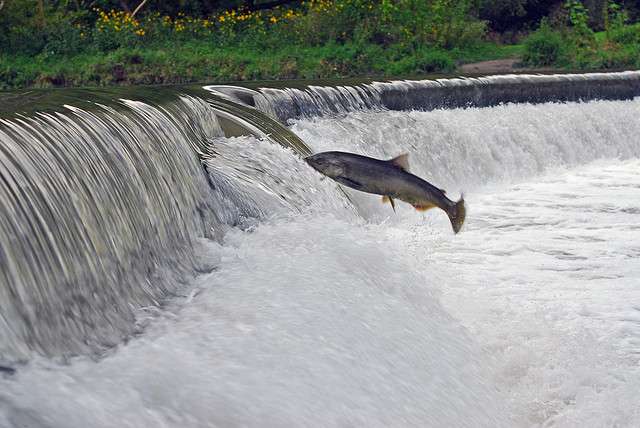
(529, 317)
(464, 149)
(310, 322)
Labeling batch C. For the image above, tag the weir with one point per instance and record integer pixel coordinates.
(105, 194)
(320, 100)
(91, 214)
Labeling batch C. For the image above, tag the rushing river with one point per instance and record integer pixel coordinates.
(318, 306)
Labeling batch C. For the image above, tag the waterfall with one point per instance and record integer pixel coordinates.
(167, 258)
(100, 214)
(313, 100)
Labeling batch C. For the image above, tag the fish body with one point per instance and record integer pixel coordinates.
(389, 178)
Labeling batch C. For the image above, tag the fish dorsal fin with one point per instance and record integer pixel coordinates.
(401, 161)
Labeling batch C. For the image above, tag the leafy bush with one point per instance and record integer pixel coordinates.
(433, 61)
(436, 23)
(65, 36)
(616, 17)
(421, 63)
(581, 35)
(314, 38)
(59, 30)
(625, 35)
(544, 47)
(22, 27)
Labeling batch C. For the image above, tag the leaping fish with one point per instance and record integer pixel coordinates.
(389, 178)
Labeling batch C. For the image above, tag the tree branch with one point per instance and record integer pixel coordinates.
(138, 8)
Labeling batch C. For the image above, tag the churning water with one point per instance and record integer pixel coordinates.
(322, 307)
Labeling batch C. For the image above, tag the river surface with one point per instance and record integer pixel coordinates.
(317, 311)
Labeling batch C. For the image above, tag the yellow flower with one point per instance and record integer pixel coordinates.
(273, 19)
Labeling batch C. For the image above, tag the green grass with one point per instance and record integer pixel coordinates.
(488, 51)
(601, 36)
(315, 40)
(197, 61)
(201, 61)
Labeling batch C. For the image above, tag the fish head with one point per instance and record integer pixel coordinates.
(327, 163)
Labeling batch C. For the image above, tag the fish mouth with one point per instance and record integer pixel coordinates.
(313, 163)
(311, 160)
(324, 166)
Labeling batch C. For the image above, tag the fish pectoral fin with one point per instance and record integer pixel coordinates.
(389, 199)
(401, 162)
(423, 207)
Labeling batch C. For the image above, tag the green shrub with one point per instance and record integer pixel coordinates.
(432, 62)
(420, 62)
(544, 47)
(65, 36)
(56, 43)
(22, 28)
(615, 17)
(625, 35)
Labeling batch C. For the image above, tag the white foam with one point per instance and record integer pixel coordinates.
(547, 279)
(468, 148)
(529, 317)
(308, 322)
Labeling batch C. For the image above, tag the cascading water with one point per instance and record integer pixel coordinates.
(468, 148)
(311, 101)
(91, 216)
(253, 180)
(328, 310)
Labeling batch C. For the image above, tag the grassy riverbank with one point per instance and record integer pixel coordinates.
(308, 40)
(196, 61)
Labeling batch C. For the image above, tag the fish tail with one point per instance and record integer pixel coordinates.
(457, 214)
